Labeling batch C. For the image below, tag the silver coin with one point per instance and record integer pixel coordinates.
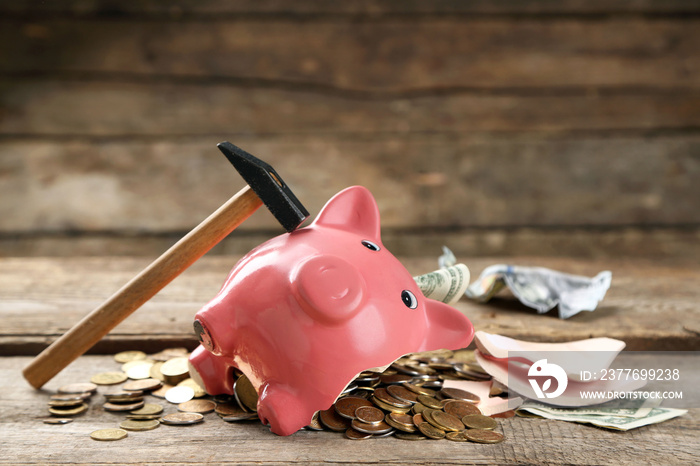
(179, 395)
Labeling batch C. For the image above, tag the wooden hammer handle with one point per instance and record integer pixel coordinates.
(141, 288)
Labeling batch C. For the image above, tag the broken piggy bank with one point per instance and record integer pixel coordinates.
(302, 314)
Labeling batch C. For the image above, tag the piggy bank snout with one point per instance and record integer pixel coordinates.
(204, 335)
(329, 288)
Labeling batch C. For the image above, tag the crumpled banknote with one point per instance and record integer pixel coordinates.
(538, 287)
(447, 284)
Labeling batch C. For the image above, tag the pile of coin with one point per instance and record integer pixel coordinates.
(71, 400)
(407, 400)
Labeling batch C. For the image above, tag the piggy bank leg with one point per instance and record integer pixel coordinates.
(282, 410)
(211, 372)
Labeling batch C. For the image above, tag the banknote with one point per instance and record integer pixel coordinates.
(607, 418)
(446, 284)
(625, 407)
(537, 287)
(542, 288)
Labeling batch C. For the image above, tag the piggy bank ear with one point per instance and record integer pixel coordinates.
(352, 209)
(447, 327)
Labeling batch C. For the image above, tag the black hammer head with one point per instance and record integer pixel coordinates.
(268, 185)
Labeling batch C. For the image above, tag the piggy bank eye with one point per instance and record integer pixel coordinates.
(409, 299)
(370, 245)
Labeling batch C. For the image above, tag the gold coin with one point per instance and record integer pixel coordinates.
(440, 366)
(428, 417)
(347, 406)
(418, 390)
(74, 411)
(161, 392)
(334, 421)
(139, 425)
(353, 434)
(148, 409)
(431, 431)
(197, 406)
(142, 417)
(402, 422)
(108, 434)
(402, 393)
(388, 379)
(169, 353)
(387, 407)
(127, 366)
(419, 408)
(367, 378)
(447, 421)
(124, 397)
(71, 396)
(369, 414)
(177, 395)
(456, 436)
(430, 402)
(245, 393)
(404, 369)
(65, 403)
(459, 394)
(418, 419)
(146, 384)
(176, 352)
(180, 419)
(383, 395)
(426, 370)
(155, 372)
(464, 355)
(460, 408)
(119, 407)
(108, 378)
(243, 416)
(381, 428)
(74, 388)
(228, 409)
(198, 390)
(175, 370)
(483, 436)
(126, 356)
(479, 421)
(315, 423)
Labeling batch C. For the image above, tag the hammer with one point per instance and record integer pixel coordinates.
(264, 186)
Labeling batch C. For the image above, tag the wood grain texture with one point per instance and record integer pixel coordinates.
(26, 440)
(682, 243)
(37, 107)
(388, 56)
(494, 116)
(649, 305)
(369, 8)
(418, 181)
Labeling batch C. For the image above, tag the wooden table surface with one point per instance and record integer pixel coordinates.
(651, 306)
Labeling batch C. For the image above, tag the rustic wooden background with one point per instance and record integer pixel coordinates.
(497, 128)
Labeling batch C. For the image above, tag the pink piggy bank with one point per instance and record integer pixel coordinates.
(302, 314)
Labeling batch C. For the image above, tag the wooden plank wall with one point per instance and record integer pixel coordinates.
(497, 128)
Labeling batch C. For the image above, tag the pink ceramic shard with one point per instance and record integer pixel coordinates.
(302, 314)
